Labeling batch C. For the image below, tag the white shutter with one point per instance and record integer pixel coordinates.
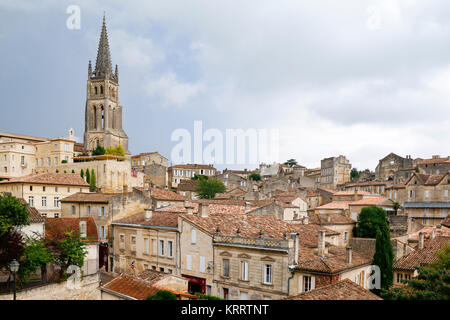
(188, 262)
(202, 264)
(313, 282)
(193, 235)
(155, 247)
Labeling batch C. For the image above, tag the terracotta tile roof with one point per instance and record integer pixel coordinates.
(251, 225)
(422, 257)
(364, 246)
(187, 185)
(162, 219)
(427, 179)
(71, 179)
(446, 222)
(368, 183)
(136, 288)
(235, 202)
(56, 227)
(165, 194)
(338, 205)
(350, 192)
(335, 261)
(330, 218)
(445, 232)
(435, 161)
(342, 290)
(34, 215)
(85, 197)
(192, 166)
(369, 201)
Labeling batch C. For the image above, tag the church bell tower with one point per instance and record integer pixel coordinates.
(103, 115)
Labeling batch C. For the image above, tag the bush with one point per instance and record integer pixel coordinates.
(162, 295)
(64, 161)
(99, 151)
(207, 189)
(115, 151)
(255, 177)
(207, 296)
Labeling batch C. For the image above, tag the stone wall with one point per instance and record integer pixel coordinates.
(61, 291)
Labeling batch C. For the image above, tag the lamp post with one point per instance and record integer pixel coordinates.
(14, 267)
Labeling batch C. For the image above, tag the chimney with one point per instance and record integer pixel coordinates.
(321, 243)
(186, 203)
(349, 254)
(433, 235)
(328, 218)
(438, 230)
(247, 206)
(421, 237)
(148, 214)
(189, 209)
(295, 237)
(203, 210)
(305, 220)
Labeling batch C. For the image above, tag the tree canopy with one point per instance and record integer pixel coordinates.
(162, 295)
(255, 176)
(99, 151)
(116, 151)
(199, 177)
(432, 282)
(291, 162)
(12, 213)
(369, 220)
(207, 189)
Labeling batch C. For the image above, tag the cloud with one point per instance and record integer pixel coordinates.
(171, 92)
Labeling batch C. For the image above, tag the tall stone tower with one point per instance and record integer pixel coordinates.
(103, 115)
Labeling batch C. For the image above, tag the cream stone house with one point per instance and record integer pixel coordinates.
(334, 171)
(44, 191)
(180, 172)
(139, 161)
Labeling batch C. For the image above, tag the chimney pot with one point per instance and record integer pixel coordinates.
(349, 254)
(421, 240)
(203, 210)
(295, 236)
(321, 243)
(148, 214)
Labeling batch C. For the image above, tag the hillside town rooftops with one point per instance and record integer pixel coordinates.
(342, 290)
(70, 179)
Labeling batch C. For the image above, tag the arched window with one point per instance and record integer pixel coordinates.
(113, 118)
(95, 117)
(96, 90)
(101, 89)
(103, 118)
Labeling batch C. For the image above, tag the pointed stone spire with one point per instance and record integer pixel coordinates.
(103, 65)
(89, 70)
(116, 74)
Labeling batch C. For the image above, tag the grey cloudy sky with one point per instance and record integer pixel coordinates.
(361, 79)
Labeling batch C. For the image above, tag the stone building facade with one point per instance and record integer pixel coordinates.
(390, 164)
(334, 171)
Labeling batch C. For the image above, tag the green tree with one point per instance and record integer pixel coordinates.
(354, 174)
(384, 257)
(291, 162)
(162, 295)
(99, 151)
(199, 177)
(395, 206)
(432, 282)
(92, 183)
(207, 189)
(88, 176)
(207, 296)
(70, 250)
(12, 213)
(369, 220)
(73, 171)
(82, 173)
(35, 257)
(12, 245)
(116, 151)
(255, 177)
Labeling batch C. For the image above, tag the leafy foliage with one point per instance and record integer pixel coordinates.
(12, 245)
(207, 296)
(384, 257)
(207, 189)
(255, 177)
(162, 295)
(396, 206)
(35, 256)
(291, 162)
(82, 173)
(71, 250)
(199, 177)
(99, 151)
(12, 213)
(88, 176)
(115, 151)
(432, 282)
(354, 174)
(92, 182)
(369, 220)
